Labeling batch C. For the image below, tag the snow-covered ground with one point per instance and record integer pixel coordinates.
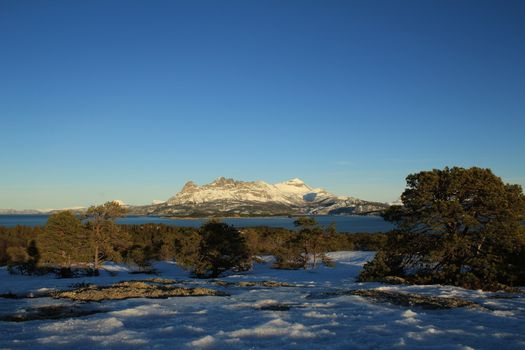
(238, 322)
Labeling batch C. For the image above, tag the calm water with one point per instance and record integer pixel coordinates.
(343, 223)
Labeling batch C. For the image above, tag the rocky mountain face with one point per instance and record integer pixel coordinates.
(228, 197)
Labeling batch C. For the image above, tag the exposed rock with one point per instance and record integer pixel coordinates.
(504, 296)
(51, 312)
(275, 307)
(254, 284)
(161, 280)
(408, 299)
(190, 186)
(28, 295)
(133, 289)
(393, 280)
(9, 295)
(504, 288)
(397, 298)
(146, 271)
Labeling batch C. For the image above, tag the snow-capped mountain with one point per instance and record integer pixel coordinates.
(229, 197)
(292, 192)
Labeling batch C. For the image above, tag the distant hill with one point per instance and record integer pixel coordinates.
(20, 212)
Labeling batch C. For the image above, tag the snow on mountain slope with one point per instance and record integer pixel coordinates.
(229, 197)
(294, 192)
(293, 187)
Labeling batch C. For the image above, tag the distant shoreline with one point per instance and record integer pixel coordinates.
(217, 217)
(344, 223)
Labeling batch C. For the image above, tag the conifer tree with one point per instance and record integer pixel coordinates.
(106, 238)
(63, 241)
(221, 248)
(307, 247)
(456, 226)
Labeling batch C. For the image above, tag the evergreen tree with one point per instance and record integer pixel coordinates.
(17, 259)
(308, 247)
(62, 243)
(187, 249)
(139, 255)
(107, 239)
(456, 226)
(221, 248)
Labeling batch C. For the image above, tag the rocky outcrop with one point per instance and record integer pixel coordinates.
(409, 299)
(49, 312)
(267, 284)
(134, 289)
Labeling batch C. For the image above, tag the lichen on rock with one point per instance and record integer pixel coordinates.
(133, 289)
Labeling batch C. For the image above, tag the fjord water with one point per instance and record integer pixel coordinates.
(343, 223)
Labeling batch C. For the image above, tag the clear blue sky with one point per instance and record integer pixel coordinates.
(128, 100)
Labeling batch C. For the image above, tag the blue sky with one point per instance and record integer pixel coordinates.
(128, 100)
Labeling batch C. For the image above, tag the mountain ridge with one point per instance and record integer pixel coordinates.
(229, 197)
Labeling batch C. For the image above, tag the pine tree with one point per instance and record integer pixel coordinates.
(456, 226)
(63, 241)
(307, 247)
(221, 248)
(106, 238)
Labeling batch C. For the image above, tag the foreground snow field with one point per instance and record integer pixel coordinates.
(302, 317)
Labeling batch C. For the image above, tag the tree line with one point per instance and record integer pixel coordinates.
(68, 243)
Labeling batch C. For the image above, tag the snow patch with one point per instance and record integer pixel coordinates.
(194, 329)
(114, 267)
(315, 314)
(145, 310)
(409, 314)
(503, 313)
(356, 258)
(100, 326)
(279, 327)
(203, 342)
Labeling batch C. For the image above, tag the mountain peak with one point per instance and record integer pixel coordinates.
(189, 186)
(294, 184)
(221, 181)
